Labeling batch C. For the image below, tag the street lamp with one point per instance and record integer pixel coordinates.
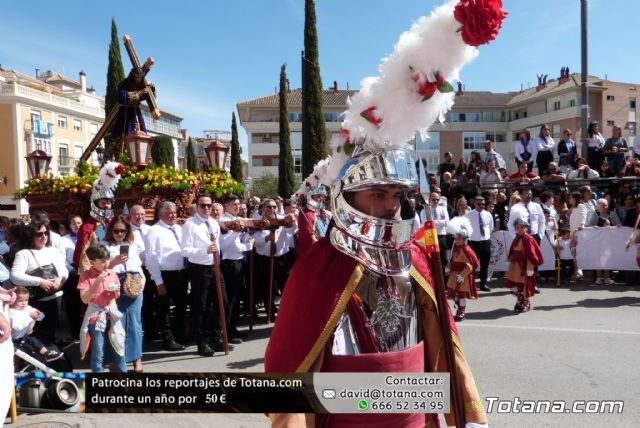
(216, 154)
(100, 153)
(138, 144)
(38, 162)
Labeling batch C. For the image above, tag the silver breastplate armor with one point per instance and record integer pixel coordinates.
(388, 305)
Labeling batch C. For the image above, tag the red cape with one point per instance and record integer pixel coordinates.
(84, 233)
(531, 248)
(306, 227)
(317, 292)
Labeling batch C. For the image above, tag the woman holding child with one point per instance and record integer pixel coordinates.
(124, 259)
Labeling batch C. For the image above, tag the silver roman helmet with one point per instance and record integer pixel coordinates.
(413, 90)
(382, 245)
(103, 188)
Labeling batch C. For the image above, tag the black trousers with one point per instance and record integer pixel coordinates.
(149, 311)
(45, 330)
(233, 272)
(71, 304)
(176, 282)
(205, 315)
(543, 158)
(566, 269)
(483, 252)
(281, 267)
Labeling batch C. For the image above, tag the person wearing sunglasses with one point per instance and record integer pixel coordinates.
(41, 268)
(200, 244)
(125, 257)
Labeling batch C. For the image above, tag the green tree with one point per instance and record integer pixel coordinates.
(286, 173)
(115, 75)
(314, 147)
(236, 162)
(192, 161)
(162, 152)
(265, 186)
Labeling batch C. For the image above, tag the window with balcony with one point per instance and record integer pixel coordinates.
(62, 122)
(611, 98)
(610, 123)
(572, 103)
(77, 125)
(93, 128)
(556, 105)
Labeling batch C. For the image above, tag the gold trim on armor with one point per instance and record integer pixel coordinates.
(474, 406)
(422, 281)
(337, 312)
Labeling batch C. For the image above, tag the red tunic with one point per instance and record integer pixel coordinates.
(320, 285)
(518, 261)
(457, 267)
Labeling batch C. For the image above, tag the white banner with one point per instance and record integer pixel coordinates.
(500, 244)
(605, 248)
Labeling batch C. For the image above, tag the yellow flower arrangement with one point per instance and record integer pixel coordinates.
(148, 180)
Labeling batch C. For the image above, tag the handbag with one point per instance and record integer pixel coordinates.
(48, 271)
(133, 285)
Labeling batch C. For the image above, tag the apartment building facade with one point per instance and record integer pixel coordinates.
(259, 117)
(60, 116)
(475, 117)
(49, 112)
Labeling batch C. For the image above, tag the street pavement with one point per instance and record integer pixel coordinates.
(577, 343)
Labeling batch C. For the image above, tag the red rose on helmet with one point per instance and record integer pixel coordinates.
(427, 89)
(120, 169)
(481, 20)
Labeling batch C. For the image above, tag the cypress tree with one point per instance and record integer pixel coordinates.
(162, 151)
(313, 129)
(115, 75)
(236, 163)
(192, 161)
(286, 177)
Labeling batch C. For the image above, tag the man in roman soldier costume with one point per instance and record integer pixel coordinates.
(101, 212)
(313, 218)
(461, 284)
(524, 257)
(362, 299)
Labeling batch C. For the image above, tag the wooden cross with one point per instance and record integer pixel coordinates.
(151, 99)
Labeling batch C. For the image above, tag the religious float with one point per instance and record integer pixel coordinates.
(141, 183)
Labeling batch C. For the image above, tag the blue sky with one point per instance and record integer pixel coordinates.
(212, 54)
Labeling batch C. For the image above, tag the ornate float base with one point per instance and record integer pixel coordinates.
(60, 206)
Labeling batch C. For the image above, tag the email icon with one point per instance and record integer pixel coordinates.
(328, 393)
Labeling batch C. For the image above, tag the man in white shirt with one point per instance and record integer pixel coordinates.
(546, 199)
(200, 243)
(137, 217)
(168, 271)
(232, 248)
(276, 242)
(536, 216)
(480, 239)
(440, 215)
